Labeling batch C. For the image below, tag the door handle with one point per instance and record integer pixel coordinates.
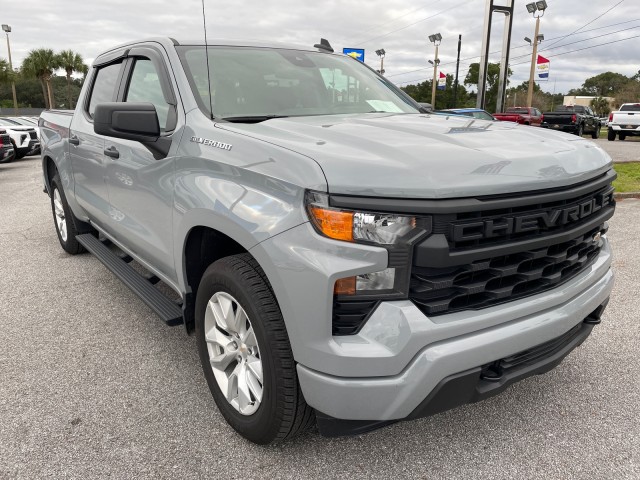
(74, 140)
(112, 152)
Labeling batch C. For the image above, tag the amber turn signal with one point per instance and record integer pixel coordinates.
(345, 286)
(333, 223)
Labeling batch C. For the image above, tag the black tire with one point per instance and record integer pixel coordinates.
(611, 135)
(283, 412)
(70, 244)
(19, 152)
(596, 134)
(622, 136)
(580, 131)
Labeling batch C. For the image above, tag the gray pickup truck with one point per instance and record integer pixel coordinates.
(343, 257)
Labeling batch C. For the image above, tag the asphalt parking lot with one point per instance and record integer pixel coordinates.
(92, 384)
(626, 151)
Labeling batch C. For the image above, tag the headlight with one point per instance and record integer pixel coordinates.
(351, 226)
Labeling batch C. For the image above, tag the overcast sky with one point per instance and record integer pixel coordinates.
(400, 27)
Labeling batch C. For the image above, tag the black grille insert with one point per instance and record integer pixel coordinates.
(350, 314)
(484, 283)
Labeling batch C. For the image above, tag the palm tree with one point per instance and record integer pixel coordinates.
(41, 63)
(71, 62)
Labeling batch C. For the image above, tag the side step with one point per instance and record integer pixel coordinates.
(168, 311)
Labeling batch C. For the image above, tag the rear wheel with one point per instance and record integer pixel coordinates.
(596, 134)
(580, 130)
(245, 352)
(64, 219)
(611, 135)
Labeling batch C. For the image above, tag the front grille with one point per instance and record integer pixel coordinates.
(444, 224)
(33, 135)
(503, 278)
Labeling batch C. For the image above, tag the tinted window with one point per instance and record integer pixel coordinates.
(630, 108)
(104, 86)
(145, 87)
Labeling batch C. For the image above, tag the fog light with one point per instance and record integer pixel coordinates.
(383, 280)
(366, 283)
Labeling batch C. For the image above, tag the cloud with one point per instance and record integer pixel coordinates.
(400, 28)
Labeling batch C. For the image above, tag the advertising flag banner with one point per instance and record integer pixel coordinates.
(357, 53)
(542, 68)
(442, 81)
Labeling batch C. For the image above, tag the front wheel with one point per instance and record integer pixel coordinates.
(596, 134)
(611, 135)
(63, 219)
(245, 352)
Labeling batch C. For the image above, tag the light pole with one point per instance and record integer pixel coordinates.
(7, 29)
(381, 53)
(534, 8)
(436, 39)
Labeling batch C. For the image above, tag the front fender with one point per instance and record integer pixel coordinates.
(245, 211)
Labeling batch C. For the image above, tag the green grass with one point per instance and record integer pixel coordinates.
(628, 177)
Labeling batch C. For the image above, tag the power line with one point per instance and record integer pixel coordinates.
(588, 23)
(391, 21)
(527, 45)
(412, 24)
(550, 56)
(584, 48)
(579, 41)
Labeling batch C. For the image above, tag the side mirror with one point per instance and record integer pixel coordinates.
(130, 121)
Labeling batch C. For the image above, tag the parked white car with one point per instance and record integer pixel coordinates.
(24, 139)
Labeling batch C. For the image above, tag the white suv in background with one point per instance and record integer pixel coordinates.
(25, 139)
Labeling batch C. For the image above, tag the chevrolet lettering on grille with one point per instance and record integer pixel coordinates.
(531, 222)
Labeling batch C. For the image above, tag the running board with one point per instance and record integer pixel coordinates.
(167, 310)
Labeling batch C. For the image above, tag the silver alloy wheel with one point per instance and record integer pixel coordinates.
(58, 210)
(233, 353)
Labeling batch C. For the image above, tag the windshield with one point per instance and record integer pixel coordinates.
(265, 82)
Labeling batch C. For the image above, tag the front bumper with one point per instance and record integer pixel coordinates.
(573, 128)
(449, 346)
(7, 154)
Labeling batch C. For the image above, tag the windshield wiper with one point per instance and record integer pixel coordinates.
(252, 118)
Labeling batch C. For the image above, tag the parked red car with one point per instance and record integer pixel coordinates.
(521, 115)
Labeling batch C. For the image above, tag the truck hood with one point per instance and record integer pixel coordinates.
(431, 156)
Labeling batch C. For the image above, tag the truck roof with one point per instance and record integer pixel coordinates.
(169, 42)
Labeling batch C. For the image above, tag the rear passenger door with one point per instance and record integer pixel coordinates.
(140, 183)
(86, 147)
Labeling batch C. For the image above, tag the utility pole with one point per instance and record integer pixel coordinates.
(533, 8)
(455, 85)
(534, 55)
(7, 29)
(436, 39)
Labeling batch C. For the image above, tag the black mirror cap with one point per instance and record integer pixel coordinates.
(130, 121)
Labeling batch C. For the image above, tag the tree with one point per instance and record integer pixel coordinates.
(41, 63)
(493, 76)
(601, 106)
(604, 85)
(71, 62)
(629, 93)
(421, 92)
(5, 72)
